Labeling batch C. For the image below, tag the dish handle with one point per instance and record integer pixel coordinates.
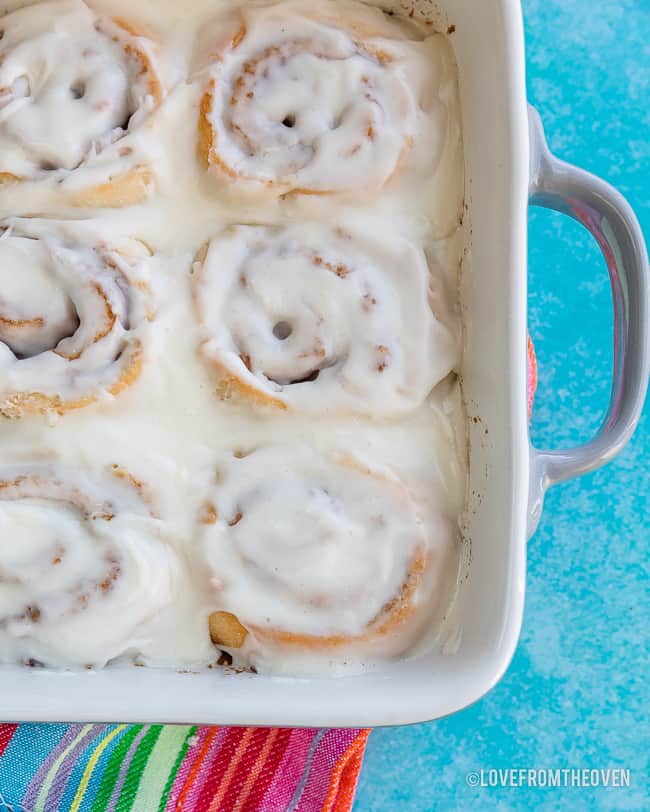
(591, 201)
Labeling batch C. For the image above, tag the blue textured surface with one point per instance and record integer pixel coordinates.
(576, 694)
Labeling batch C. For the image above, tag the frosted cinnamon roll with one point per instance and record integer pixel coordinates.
(319, 555)
(320, 98)
(73, 318)
(83, 566)
(74, 87)
(319, 319)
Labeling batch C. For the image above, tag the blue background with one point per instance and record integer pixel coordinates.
(576, 694)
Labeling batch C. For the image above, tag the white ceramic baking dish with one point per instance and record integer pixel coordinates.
(507, 164)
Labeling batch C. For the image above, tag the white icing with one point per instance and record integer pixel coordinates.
(87, 307)
(323, 320)
(72, 85)
(168, 429)
(316, 547)
(27, 295)
(300, 97)
(84, 575)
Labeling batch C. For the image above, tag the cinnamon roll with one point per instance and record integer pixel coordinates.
(322, 98)
(322, 320)
(84, 569)
(73, 318)
(319, 555)
(74, 88)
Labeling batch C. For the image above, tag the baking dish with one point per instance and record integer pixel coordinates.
(507, 164)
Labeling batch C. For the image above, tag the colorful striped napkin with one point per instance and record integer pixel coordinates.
(160, 768)
(183, 768)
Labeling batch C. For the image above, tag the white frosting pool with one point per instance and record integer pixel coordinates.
(180, 444)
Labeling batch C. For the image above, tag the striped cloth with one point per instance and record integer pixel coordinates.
(183, 768)
(532, 376)
(160, 768)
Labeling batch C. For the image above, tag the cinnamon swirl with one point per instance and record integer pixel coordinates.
(322, 320)
(74, 88)
(320, 555)
(73, 318)
(84, 568)
(317, 99)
